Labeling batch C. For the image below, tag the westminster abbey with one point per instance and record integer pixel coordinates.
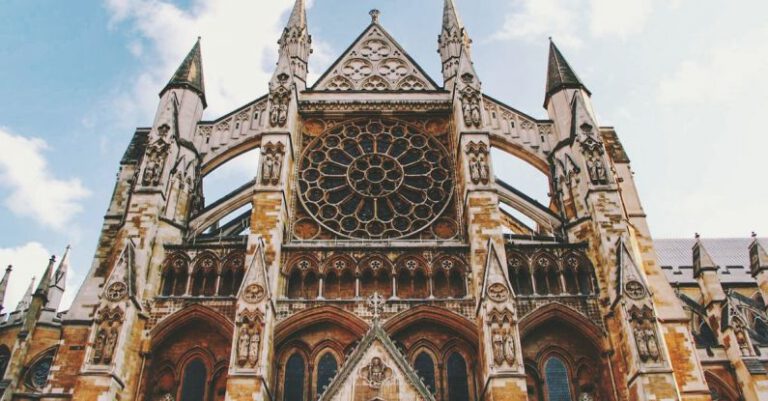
(381, 259)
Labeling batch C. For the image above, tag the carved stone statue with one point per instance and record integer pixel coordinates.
(470, 108)
(653, 344)
(497, 345)
(586, 396)
(157, 153)
(273, 164)
(477, 154)
(596, 170)
(741, 339)
(509, 348)
(98, 347)
(376, 372)
(642, 345)
(243, 342)
(253, 348)
(109, 347)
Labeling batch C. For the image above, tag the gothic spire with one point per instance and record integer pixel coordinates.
(295, 43)
(453, 42)
(560, 75)
(702, 261)
(45, 282)
(758, 257)
(4, 286)
(58, 284)
(27, 298)
(189, 75)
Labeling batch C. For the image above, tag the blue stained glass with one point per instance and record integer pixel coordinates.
(326, 370)
(558, 384)
(293, 386)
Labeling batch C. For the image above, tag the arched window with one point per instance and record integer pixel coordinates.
(347, 284)
(367, 284)
(553, 281)
(168, 282)
(425, 368)
(293, 384)
(458, 378)
(180, 282)
(586, 285)
(331, 288)
(194, 381)
(384, 283)
(311, 285)
(542, 288)
(5, 356)
(556, 379)
(404, 284)
(420, 288)
(571, 282)
(231, 275)
(458, 284)
(219, 386)
(440, 284)
(524, 281)
(294, 284)
(326, 371)
(198, 279)
(37, 374)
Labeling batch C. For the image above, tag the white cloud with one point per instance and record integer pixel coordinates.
(619, 17)
(535, 20)
(729, 71)
(33, 190)
(28, 260)
(238, 45)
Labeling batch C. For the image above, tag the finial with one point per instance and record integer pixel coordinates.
(9, 268)
(376, 303)
(697, 235)
(374, 16)
(754, 234)
(52, 259)
(550, 39)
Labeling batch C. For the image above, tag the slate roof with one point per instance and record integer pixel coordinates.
(675, 256)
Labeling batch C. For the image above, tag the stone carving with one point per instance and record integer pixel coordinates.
(634, 289)
(272, 166)
(593, 154)
(279, 98)
(253, 293)
(646, 339)
(105, 341)
(497, 345)
(741, 338)
(116, 291)
(376, 373)
(157, 153)
(248, 339)
(509, 348)
(586, 396)
(477, 156)
(375, 50)
(470, 107)
(596, 170)
(357, 69)
(498, 292)
(503, 346)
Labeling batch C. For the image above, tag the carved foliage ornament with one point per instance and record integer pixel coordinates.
(477, 157)
(156, 154)
(272, 164)
(116, 291)
(498, 292)
(375, 179)
(253, 293)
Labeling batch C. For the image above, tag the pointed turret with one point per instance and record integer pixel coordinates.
(702, 261)
(27, 298)
(453, 42)
(758, 257)
(560, 75)
(4, 286)
(189, 75)
(59, 282)
(295, 43)
(45, 281)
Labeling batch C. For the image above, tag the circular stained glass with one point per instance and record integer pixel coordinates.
(375, 179)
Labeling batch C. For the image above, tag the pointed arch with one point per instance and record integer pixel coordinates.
(189, 315)
(323, 314)
(432, 315)
(568, 316)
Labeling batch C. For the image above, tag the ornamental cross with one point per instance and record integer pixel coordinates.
(376, 303)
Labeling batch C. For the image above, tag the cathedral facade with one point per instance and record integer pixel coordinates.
(379, 259)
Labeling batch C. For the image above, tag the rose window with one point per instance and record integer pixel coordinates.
(375, 179)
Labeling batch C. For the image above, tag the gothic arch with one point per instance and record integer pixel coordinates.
(564, 314)
(433, 315)
(190, 314)
(716, 384)
(221, 158)
(324, 314)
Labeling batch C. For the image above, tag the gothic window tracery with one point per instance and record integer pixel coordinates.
(36, 377)
(557, 381)
(457, 373)
(232, 275)
(425, 368)
(375, 179)
(195, 377)
(327, 368)
(294, 382)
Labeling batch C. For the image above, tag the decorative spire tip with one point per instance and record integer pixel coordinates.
(697, 235)
(754, 234)
(374, 16)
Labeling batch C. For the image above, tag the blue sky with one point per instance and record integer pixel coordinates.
(682, 81)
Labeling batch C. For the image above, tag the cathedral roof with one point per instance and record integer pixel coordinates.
(375, 61)
(189, 75)
(560, 75)
(675, 256)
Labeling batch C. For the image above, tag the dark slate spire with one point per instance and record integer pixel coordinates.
(560, 75)
(4, 286)
(45, 282)
(189, 75)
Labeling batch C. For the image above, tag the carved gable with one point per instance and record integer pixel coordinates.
(375, 62)
(376, 370)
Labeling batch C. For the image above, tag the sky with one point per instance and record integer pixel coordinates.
(683, 82)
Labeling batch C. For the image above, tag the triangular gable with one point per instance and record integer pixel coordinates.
(495, 285)
(375, 62)
(629, 279)
(376, 370)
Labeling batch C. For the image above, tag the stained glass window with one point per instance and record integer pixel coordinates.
(195, 378)
(37, 376)
(458, 379)
(326, 371)
(425, 367)
(293, 385)
(557, 381)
